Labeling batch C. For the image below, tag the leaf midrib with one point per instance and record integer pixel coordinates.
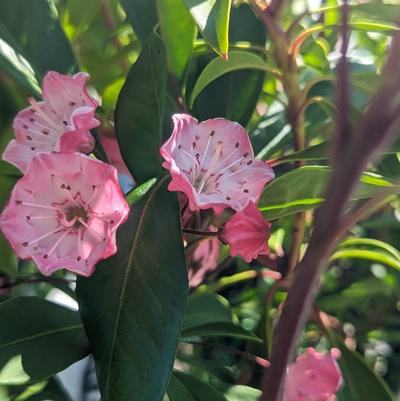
(125, 279)
(42, 334)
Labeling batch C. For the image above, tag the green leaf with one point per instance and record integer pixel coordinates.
(137, 193)
(200, 390)
(220, 329)
(44, 44)
(238, 60)
(233, 95)
(142, 14)
(9, 260)
(360, 380)
(303, 188)
(9, 175)
(178, 31)
(81, 14)
(39, 339)
(212, 19)
(12, 61)
(139, 114)
(238, 392)
(133, 305)
(177, 391)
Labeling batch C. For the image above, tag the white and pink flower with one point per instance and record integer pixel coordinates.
(315, 376)
(64, 212)
(61, 122)
(213, 164)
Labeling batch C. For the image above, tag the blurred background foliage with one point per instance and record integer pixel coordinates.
(360, 290)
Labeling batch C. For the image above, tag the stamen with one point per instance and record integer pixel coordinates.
(41, 217)
(237, 171)
(39, 206)
(37, 107)
(214, 162)
(93, 196)
(44, 236)
(231, 165)
(62, 236)
(228, 157)
(206, 151)
(96, 234)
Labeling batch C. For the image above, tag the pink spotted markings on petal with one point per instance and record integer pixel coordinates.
(315, 376)
(64, 212)
(61, 122)
(247, 233)
(213, 163)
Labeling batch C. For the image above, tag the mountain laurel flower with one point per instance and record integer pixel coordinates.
(247, 233)
(213, 163)
(64, 212)
(314, 376)
(61, 122)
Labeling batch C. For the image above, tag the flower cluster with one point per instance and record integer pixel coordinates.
(212, 163)
(65, 210)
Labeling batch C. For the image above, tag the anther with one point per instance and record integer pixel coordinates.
(25, 243)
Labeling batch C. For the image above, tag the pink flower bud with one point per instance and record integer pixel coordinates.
(213, 163)
(247, 233)
(314, 376)
(59, 123)
(64, 212)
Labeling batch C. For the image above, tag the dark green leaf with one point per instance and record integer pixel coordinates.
(9, 175)
(12, 61)
(200, 390)
(238, 60)
(212, 18)
(220, 329)
(177, 391)
(9, 260)
(133, 305)
(235, 94)
(303, 189)
(142, 14)
(35, 27)
(139, 115)
(39, 339)
(178, 31)
(238, 392)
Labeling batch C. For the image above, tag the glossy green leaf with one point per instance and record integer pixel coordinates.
(9, 260)
(40, 339)
(360, 380)
(303, 189)
(142, 14)
(178, 31)
(139, 114)
(220, 329)
(200, 390)
(238, 60)
(137, 193)
(239, 392)
(44, 44)
(9, 175)
(233, 95)
(177, 391)
(12, 62)
(212, 19)
(211, 315)
(133, 305)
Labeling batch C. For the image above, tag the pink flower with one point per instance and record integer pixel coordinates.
(314, 376)
(247, 233)
(203, 260)
(60, 122)
(64, 212)
(213, 163)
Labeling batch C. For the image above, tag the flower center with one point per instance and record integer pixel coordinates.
(75, 214)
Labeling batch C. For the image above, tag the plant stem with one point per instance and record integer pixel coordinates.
(200, 233)
(377, 127)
